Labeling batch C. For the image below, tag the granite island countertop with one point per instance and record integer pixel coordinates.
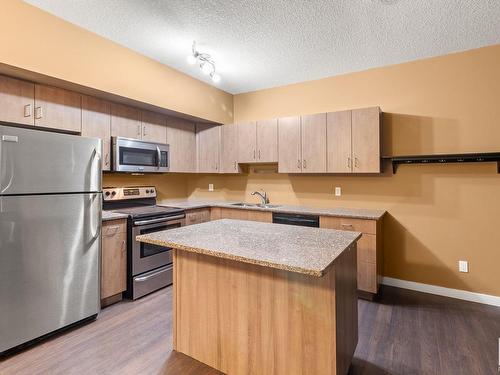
(291, 248)
(354, 213)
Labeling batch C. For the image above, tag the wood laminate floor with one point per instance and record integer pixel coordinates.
(403, 332)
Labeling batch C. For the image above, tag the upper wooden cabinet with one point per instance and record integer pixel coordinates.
(289, 152)
(339, 149)
(181, 136)
(313, 136)
(229, 149)
(58, 109)
(17, 100)
(154, 127)
(96, 122)
(353, 141)
(125, 121)
(267, 141)
(366, 140)
(258, 141)
(247, 141)
(302, 144)
(207, 148)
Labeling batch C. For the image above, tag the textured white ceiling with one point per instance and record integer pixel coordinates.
(267, 43)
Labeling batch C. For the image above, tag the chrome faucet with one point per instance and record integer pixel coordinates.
(263, 197)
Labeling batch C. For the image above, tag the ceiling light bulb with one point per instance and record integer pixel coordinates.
(215, 77)
(191, 60)
(206, 68)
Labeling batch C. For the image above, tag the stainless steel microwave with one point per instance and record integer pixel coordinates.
(133, 155)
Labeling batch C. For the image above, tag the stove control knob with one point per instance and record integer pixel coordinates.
(113, 193)
(147, 191)
(107, 193)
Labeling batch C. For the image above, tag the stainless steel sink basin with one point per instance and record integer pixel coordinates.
(241, 204)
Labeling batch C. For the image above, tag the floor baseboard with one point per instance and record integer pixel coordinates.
(485, 299)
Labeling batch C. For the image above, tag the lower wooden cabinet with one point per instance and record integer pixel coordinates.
(369, 249)
(197, 216)
(113, 261)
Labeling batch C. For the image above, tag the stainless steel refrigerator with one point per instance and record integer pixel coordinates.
(50, 232)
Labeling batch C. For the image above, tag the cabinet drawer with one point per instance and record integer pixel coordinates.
(367, 248)
(113, 227)
(342, 223)
(367, 276)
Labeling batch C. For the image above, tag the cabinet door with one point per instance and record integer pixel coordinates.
(181, 136)
(58, 109)
(207, 146)
(113, 258)
(154, 127)
(338, 140)
(366, 140)
(247, 142)
(229, 149)
(96, 122)
(267, 141)
(125, 121)
(313, 134)
(289, 154)
(16, 101)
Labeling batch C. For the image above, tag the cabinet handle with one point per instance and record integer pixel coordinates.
(259, 154)
(349, 163)
(298, 164)
(106, 159)
(38, 112)
(254, 154)
(139, 130)
(347, 225)
(304, 164)
(27, 110)
(123, 246)
(235, 168)
(356, 162)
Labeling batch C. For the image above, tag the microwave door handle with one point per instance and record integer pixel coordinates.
(158, 154)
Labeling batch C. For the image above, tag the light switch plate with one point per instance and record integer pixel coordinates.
(463, 266)
(338, 191)
(210, 187)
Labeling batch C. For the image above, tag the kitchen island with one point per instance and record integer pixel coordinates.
(260, 298)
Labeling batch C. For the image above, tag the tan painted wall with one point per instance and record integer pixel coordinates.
(437, 214)
(169, 186)
(36, 41)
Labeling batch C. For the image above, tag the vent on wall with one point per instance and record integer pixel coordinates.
(445, 159)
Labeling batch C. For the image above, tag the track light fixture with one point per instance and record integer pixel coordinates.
(205, 62)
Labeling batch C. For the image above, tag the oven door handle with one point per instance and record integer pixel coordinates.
(150, 275)
(160, 220)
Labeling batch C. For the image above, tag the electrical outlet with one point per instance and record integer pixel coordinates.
(463, 266)
(338, 191)
(210, 187)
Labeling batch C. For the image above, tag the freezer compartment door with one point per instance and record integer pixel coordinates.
(49, 264)
(37, 162)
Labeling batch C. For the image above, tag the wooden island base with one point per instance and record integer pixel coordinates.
(241, 318)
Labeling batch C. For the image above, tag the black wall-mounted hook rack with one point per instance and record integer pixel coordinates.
(445, 159)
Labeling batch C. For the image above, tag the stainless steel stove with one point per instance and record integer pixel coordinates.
(149, 266)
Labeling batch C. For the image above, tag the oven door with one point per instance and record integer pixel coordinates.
(130, 155)
(146, 257)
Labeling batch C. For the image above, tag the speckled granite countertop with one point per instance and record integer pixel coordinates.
(110, 215)
(292, 248)
(354, 213)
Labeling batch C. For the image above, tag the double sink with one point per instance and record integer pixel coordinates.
(242, 204)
